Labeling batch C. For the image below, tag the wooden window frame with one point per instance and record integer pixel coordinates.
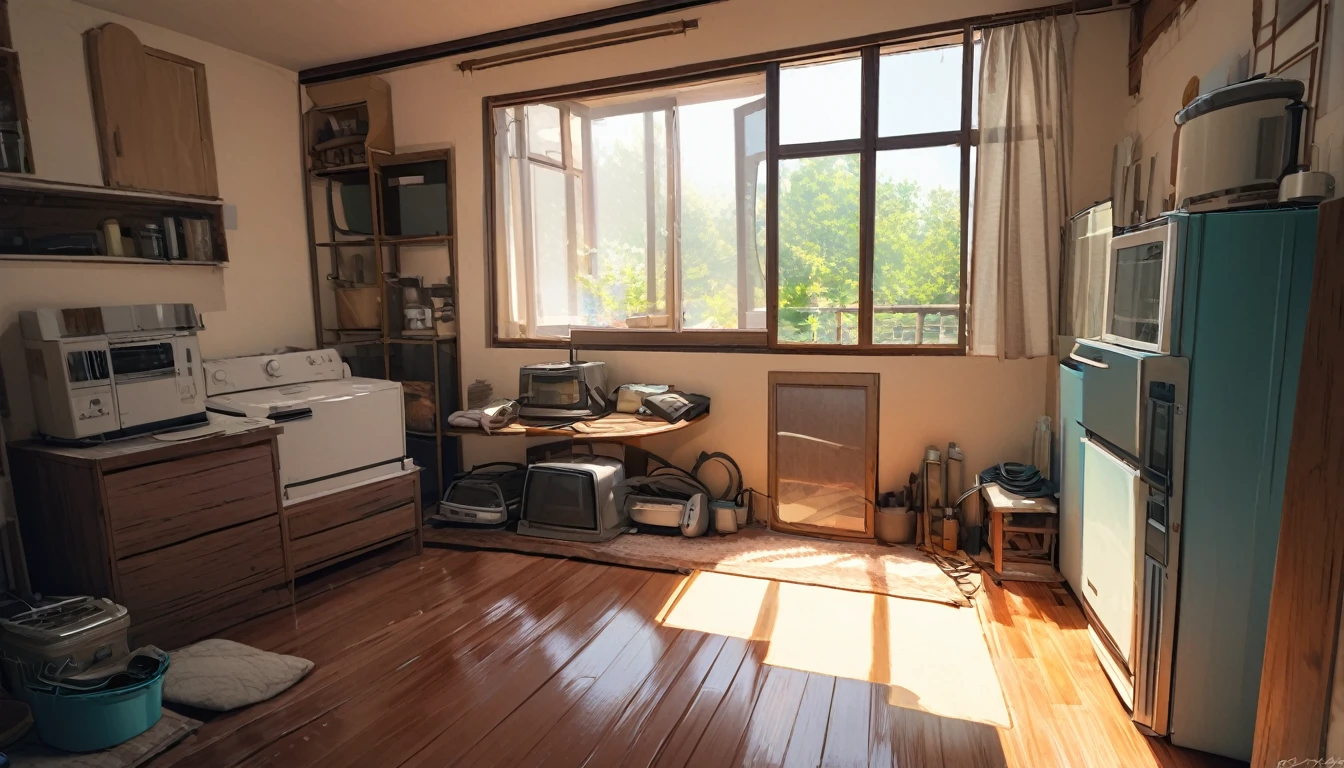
(871, 383)
(647, 107)
(672, 337)
(750, 64)
(866, 146)
(571, 173)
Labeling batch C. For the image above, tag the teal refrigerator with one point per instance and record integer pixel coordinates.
(1245, 293)
(1187, 412)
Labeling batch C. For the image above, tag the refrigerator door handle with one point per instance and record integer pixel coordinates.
(1074, 356)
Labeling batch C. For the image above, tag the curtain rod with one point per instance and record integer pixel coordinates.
(582, 44)
(579, 22)
(756, 62)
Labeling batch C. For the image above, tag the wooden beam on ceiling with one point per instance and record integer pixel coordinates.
(578, 22)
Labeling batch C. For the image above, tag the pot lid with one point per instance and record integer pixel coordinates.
(1255, 89)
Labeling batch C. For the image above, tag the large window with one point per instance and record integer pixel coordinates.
(813, 203)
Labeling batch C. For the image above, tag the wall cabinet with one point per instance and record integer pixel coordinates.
(152, 111)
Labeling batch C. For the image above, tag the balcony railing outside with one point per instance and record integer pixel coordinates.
(909, 324)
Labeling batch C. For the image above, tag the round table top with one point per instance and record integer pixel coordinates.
(611, 428)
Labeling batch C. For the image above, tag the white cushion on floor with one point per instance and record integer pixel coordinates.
(220, 675)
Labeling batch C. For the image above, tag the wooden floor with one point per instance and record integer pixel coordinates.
(488, 658)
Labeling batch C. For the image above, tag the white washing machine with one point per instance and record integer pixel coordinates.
(340, 430)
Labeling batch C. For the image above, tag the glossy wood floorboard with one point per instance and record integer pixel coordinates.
(498, 659)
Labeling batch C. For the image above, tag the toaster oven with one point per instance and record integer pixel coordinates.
(570, 390)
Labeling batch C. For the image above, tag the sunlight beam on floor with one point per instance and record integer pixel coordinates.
(933, 658)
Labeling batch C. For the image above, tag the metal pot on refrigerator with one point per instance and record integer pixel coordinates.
(1235, 144)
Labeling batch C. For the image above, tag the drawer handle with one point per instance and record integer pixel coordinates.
(381, 510)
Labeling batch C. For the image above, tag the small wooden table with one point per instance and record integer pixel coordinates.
(1002, 503)
(624, 428)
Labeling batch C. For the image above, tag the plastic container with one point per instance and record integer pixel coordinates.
(86, 722)
(894, 525)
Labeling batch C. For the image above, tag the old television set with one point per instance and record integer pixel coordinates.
(350, 203)
(576, 498)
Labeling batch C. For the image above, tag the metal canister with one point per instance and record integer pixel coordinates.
(954, 473)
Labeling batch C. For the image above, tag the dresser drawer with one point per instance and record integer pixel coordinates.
(169, 579)
(310, 517)
(158, 505)
(207, 617)
(334, 542)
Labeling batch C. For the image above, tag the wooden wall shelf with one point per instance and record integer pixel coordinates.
(131, 260)
(31, 209)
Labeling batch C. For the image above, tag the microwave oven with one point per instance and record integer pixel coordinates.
(570, 390)
(1142, 270)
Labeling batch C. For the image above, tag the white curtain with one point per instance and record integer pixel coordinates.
(1022, 188)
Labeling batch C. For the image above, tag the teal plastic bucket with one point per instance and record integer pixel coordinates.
(86, 722)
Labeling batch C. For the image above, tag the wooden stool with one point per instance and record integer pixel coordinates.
(1001, 504)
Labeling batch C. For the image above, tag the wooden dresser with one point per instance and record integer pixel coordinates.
(187, 535)
(327, 534)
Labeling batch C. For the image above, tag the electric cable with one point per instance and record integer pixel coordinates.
(734, 489)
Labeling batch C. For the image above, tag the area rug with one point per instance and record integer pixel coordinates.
(170, 729)
(896, 571)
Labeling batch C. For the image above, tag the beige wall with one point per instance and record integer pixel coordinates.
(1328, 152)
(262, 299)
(986, 405)
(1100, 103)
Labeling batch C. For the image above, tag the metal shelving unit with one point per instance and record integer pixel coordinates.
(371, 267)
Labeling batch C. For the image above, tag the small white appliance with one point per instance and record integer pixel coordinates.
(1141, 285)
(1238, 142)
(111, 372)
(691, 516)
(340, 430)
(578, 498)
(1306, 187)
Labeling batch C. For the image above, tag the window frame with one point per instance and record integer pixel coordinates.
(646, 107)
(866, 146)
(869, 143)
(571, 174)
